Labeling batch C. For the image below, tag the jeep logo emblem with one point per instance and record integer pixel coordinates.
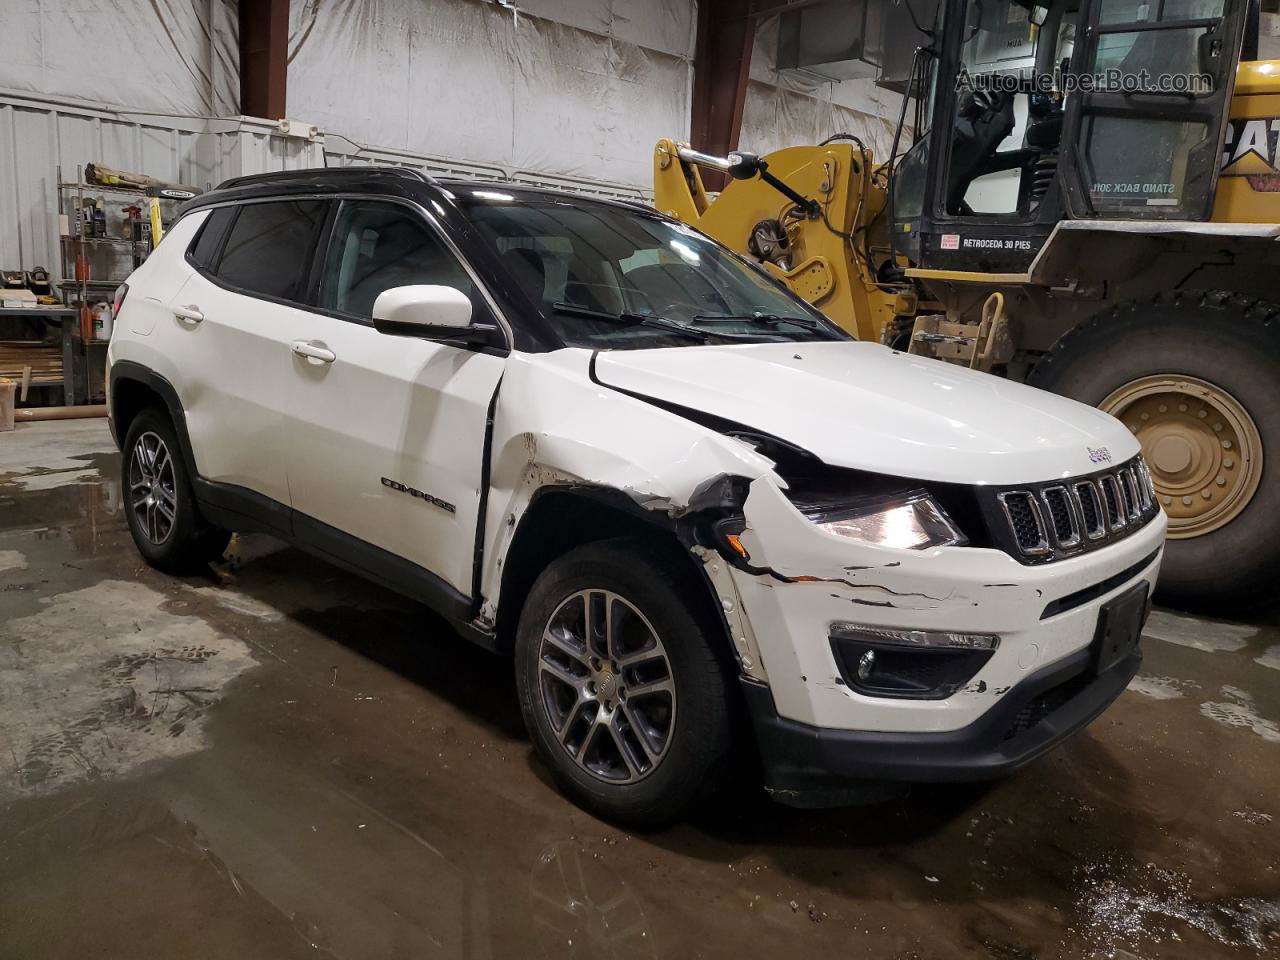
(1099, 454)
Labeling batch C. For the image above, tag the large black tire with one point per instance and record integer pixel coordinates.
(1233, 343)
(187, 542)
(650, 580)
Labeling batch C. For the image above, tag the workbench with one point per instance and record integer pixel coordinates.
(51, 364)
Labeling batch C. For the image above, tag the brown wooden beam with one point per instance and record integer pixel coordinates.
(722, 63)
(264, 57)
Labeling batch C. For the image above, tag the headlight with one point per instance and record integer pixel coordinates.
(907, 521)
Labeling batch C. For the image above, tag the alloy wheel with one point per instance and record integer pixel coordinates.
(606, 686)
(153, 495)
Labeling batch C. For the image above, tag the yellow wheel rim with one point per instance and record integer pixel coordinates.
(1202, 447)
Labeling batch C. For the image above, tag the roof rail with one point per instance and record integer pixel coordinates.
(312, 174)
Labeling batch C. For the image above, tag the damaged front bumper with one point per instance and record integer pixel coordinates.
(1040, 683)
(805, 764)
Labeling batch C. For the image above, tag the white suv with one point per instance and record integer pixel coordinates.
(603, 445)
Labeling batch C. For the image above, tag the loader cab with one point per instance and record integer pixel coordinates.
(1032, 111)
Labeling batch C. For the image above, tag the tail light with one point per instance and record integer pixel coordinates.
(122, 291)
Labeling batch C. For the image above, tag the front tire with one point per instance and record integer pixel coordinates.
(161, 510)
(1196, 377)
(621, 689)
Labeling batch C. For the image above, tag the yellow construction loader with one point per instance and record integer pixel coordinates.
(1084, 195)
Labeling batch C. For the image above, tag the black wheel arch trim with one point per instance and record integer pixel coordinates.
(685, 532)
(129, 370)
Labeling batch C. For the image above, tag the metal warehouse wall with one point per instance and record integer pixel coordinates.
(36, 136)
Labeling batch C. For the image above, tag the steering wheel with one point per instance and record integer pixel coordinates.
(981, 104)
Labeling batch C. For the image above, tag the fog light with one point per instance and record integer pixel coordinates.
(908, 664)
(915, 638)
(865, 664)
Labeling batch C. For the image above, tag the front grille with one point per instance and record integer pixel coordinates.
(1048, 521)
(1086, 494)
(1131, 492)
(1115, 508)
(1066, 528)
(1024, 517)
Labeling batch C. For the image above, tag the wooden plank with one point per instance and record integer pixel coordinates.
(30, 363)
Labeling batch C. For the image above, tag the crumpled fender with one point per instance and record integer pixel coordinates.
(780, 539)
(553, 427)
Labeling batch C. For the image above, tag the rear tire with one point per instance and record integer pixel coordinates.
(626, 755)
(1197, 377)
(160, 507)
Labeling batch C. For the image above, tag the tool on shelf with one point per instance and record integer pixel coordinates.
(105, 214)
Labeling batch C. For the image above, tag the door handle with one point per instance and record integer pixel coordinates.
(189, 312)
(313, 350)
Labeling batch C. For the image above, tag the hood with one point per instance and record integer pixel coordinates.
(867, 407)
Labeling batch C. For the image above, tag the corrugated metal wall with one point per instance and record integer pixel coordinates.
(36, 137)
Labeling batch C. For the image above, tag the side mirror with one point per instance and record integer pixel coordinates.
(429, 311)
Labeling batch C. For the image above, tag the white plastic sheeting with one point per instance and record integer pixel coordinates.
(174, 56)
(785, 108)
(570, 93)
(663, 25)
(585, 94)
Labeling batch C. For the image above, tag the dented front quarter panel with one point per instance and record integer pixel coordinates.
(554, 427)
(813, 578)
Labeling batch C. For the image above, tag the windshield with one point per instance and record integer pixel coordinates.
(608, 277)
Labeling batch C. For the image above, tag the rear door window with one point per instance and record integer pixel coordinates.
(270, 246)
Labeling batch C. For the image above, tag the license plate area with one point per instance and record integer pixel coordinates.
(1120, 622)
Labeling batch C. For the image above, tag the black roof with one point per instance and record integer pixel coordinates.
(312, 175)
(402, 181)
(533, 190)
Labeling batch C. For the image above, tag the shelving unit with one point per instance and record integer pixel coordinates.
(77, 268)
(92, 267)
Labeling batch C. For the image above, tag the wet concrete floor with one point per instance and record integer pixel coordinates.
(280, 760)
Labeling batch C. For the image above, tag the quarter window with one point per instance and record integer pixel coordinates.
(377, 246)
(215, 228)
(269, 248)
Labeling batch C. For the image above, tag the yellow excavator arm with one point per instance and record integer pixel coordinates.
(829, 256)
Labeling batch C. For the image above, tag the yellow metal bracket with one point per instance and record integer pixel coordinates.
(812, 279)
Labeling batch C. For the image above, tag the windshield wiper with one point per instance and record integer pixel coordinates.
(632, 319)
(764, 319)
